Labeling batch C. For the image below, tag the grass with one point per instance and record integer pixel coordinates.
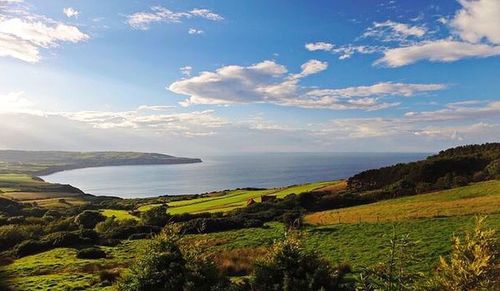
(59, 269)
(118, 214)
(362, 244)
(481, 197)
(229, 200)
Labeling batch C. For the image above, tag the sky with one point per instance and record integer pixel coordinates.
(230, 76)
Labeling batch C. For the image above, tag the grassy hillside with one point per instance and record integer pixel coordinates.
(361, 244)
(481, 197)
(23, 187)
(46, 162)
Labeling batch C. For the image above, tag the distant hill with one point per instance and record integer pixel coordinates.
(47, 162)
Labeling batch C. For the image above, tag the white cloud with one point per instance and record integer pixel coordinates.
(270, 82)
(436, 51)
(186, 70)
(155, 107)
(142, 20)
(15, 102)
(394, 31)
(345, 51)
(11, 46)
(195, 31)
(319, 46)
(472, 121)
(42, 34)
(461, 110)
(207, 14)
(478, 20)
(71, 12)
(23, 34)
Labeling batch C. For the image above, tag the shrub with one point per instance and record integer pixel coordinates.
(91, 253)
(393, 273)
(156, 216)
(140, 236)
(30, 247)
(290, 267)
(10, 235)
(62, 239)
(107, 278)
(89, 219)
(473, 263)
(460, 181)
(164, 267)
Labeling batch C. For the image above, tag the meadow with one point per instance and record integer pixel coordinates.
(360, 244)
(483, 197)
(226, 200)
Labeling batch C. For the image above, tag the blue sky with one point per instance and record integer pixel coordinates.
(186, 77)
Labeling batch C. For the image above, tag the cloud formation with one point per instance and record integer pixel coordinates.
(391, 31)
(270, 82)
(142, 20)
(478, 20)
(70, 12)
(436, 51)
(22, 36)
(345, 51)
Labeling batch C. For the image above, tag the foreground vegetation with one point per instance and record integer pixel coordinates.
(346, 237)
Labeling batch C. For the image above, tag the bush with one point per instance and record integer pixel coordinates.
(107, 278)
(164, 267)
(30, 247)
(91, 253)
(62, 239)
(473, 263)
(10, 235)
(156, 216)
(393, 272)
(460, 181)
(208, 225)
(140, 236)
(89, 219)
(290, 267)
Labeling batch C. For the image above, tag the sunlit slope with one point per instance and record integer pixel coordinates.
(238, 198)
(25, 188)
(477, 198)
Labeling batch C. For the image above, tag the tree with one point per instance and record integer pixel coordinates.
(156, 216)
(89, 219)
(473, 261)
(393, 273)
(289, 267)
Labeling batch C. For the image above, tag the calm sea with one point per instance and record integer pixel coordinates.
(225, 172)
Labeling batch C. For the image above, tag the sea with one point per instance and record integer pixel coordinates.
(262, 170)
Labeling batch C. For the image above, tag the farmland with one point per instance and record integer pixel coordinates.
(482, 197)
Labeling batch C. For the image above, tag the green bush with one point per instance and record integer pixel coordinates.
(164, 267)
(30, 247)
(290, 267)
(91, 253)
(156, 216)
(89, 219)
(473, 264)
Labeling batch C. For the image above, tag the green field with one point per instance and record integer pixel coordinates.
(223, 201)
(59, 269)
(481, 197)
(233, 199)
(361, 244)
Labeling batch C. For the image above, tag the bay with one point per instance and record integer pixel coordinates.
(263, 170)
